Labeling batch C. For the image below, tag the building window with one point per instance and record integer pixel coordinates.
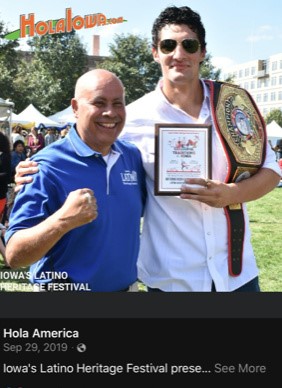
(273, 81)
(273, 96)
(258, 97)
(252, 84)
(253, 70)
(265, 97)
(280, 96)
(274, 65)
(240, 73)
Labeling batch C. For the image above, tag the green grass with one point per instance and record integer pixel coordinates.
(266, 227)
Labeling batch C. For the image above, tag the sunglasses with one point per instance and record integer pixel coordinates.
(167, 46)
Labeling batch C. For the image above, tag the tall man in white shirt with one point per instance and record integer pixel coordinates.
(198, 241)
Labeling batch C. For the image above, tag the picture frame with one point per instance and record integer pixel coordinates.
(181, 151)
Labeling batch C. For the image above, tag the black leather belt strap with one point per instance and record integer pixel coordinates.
(236, 232)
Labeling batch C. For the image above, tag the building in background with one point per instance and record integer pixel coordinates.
(263, 79)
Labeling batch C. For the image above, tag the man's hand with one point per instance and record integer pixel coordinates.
(24, 168)
(79, 208)
(31, 244)
(213, 193)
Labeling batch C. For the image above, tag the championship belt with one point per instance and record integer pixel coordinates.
(243, 136)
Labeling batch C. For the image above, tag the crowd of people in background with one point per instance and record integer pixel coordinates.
(21, 144)
(37, 137)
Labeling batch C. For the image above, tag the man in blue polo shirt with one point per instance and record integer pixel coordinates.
(77, 224)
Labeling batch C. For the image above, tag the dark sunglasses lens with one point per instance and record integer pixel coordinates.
(190, 45)
(167, 45)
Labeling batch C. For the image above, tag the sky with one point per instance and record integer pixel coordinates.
(236, 31)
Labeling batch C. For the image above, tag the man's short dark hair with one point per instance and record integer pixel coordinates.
(179, 15)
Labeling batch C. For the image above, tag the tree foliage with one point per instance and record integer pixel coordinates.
(8, 65)
(207, 70)
(131, 60)
(46, 77)
(274, 114)
(48, 80)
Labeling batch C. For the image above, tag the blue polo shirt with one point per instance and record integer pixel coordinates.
(103, 253)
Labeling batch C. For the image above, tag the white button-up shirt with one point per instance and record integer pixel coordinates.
(184, 242)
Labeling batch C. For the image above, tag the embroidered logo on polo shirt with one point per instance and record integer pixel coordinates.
(129, 177)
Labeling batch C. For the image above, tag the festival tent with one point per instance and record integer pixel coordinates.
(65, 116)
(13, 117)
(274, 132)
(32, 116)
(24, 123)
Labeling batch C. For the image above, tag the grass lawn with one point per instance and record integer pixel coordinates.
(266, 228)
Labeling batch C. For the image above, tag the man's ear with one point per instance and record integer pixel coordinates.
(74, 106)
(203, 52)
(155, 55)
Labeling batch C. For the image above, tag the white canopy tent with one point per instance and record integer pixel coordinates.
(15, 119)
(274, 132)
(65, 116)
(32, 115)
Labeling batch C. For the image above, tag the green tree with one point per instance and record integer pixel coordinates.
(131, 60)
(49, 78)
(8, 64)
(276, 115)
(207, 70)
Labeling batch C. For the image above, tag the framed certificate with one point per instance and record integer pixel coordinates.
(181, 151)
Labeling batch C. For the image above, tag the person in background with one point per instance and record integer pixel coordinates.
(55, 226)
(5, 170)
(64, 132)
(35, 140)
(201, 239)
(50, 136)
(2, 245)
(18, 154)
(17, 134)
(5, 178)
(278, 149)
